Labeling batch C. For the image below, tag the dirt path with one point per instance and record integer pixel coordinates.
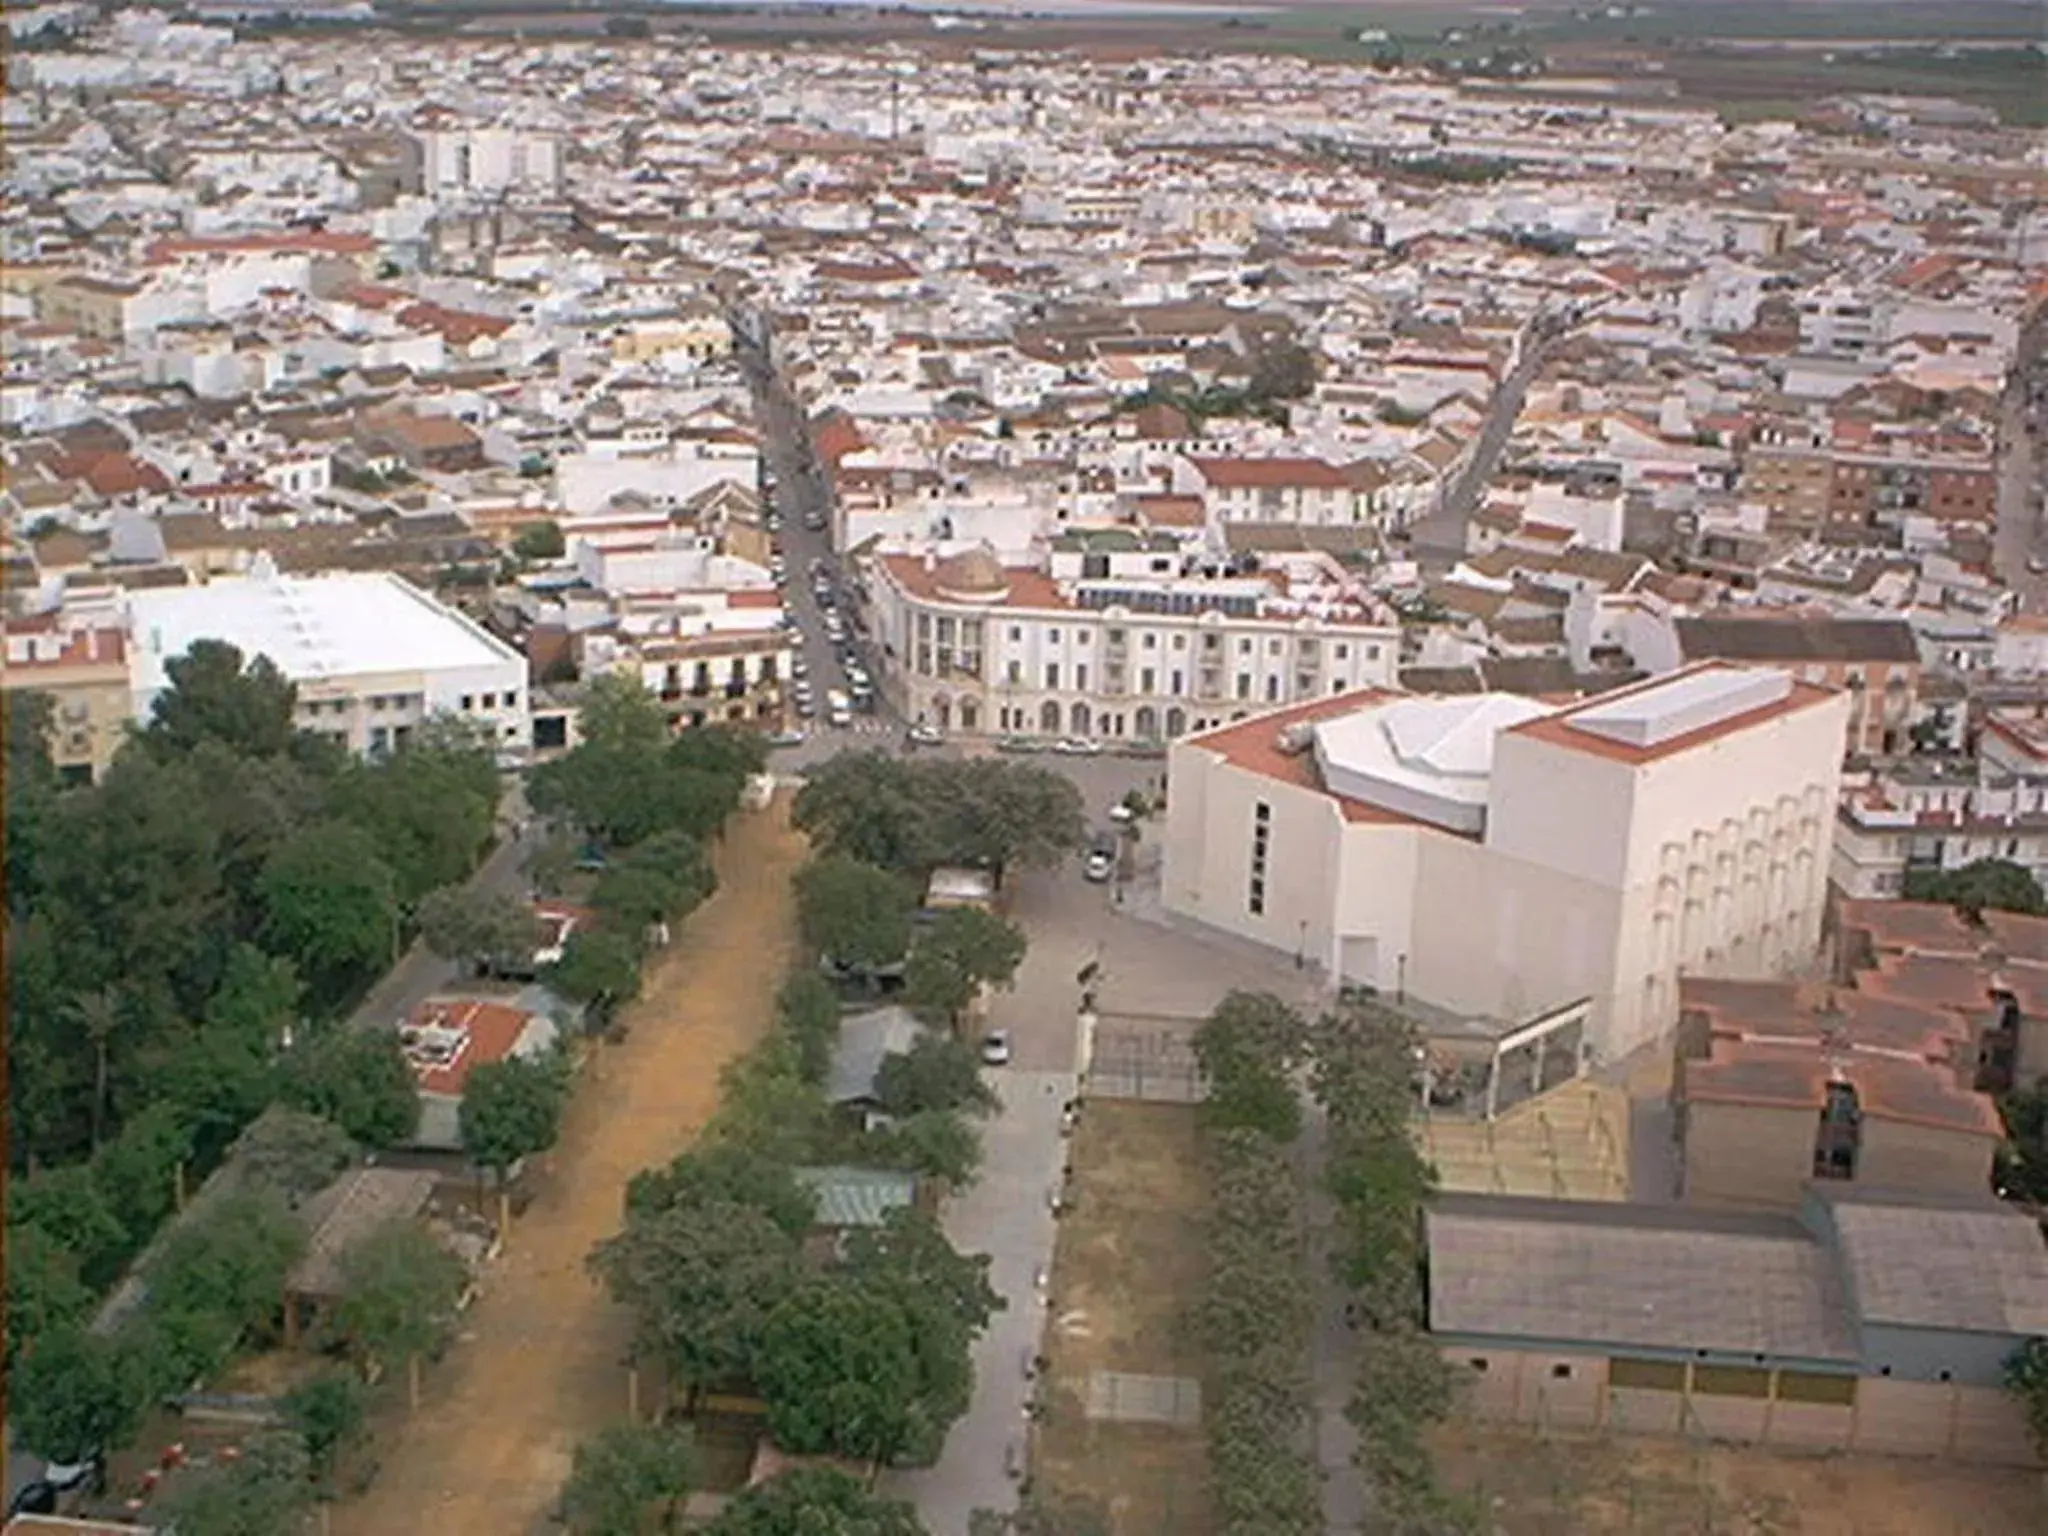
(540, 1362)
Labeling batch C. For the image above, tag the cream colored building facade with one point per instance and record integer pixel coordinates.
(1498, 857)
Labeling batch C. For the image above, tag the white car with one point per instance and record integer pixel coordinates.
(995, 1048)
(793, 738)
(1099, 866)
(1077, 746)
(1122, 814)
(925, 736)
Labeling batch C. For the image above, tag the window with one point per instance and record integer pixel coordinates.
(1150, 642)
(469, 701)
(1113, 636)
(1478, 1365)
(1244, 685)
(1081, 675)
(490, 701)
(511, 701)
(1560, 1372)
(1372, 653)
(1262, 837)
(1273, 646)
(1016, 633)
(1343, 653)
(1052, 674)
(1016, 671)
(1180, 642)
(1052, 637)
(1244, 646)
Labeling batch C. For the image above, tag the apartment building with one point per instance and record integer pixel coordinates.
(1117, 647)
(79, 662)
(1875, 661)
(1281, 490)
(1501, 857)
(372, 656)
(1941, 815)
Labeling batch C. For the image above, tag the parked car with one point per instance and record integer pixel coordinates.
(1099, 866)
(1020, 744)
(789, 738)
(922, 735)
(995, 1048)
(1077, 746)
(1122, 814)
(799, 668)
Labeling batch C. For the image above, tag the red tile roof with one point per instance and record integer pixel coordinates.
(488, 1030)
(1313, 474)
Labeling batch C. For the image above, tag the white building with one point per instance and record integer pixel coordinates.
(465, 161)
(372, 656)
(1503, 858)
(977, 646)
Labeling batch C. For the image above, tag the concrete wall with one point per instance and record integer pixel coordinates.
(1747, 1155)
(1551, 1390)
(1896, 1155)
(1938, 1355)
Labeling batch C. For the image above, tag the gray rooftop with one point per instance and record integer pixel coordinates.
(857, 1197)
(1982, 1270)
(864, 1040)
(344, 1213)
(1653, 1277)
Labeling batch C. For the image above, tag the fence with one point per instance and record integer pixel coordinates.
(1146, 1056)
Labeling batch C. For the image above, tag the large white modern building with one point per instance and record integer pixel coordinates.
(372, 656)
(1502, 858)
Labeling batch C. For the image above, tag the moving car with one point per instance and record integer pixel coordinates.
(1099, 865)
(995, 1048)
(838, 708)
(922, 735)
(1122, 814)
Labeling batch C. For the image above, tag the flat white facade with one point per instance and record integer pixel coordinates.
(372, 656)
(1498, 857)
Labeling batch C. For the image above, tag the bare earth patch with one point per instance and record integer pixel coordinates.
(1130, 1257)
(1624, 1486)
(541, 1361)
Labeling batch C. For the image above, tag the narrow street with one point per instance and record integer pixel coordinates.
(1439, 539)
(540, 1362)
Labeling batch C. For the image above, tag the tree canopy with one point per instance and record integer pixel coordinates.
(512, 1108)
(857, 914)
(937, 1073)
(359, 1080)
(1998, 884)
(73, 1395)
(264, 1492)
(911, 815)
(489, 930)
(623, 1472)
(400, 1292)
(964, 949)
(628, 779)
(814, 1501)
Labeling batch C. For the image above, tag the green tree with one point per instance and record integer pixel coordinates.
(994, 812)
(624, 1471)
(2026, 1377)
(701, 1280)
(599, 966)
(214, 697)
(488, 930)
(2022, 1167)
(401, 1293)
(359, 1079)
(1248, 1049)
(814, 1501)
(935, 1144)
(539, 541)
(662, 879)
(265, 1492)
(137, 1171)
(231, 1264)
(429, 808)
(326, 1413)
(868, 807)
(68, 1206)
(1283, 370)
(294, 1154)
(767, 1105)
(1998, 884)
(98, 1014)
(965, 949)
(72, 1396)
(807, 1012)
(838, 1365)
(331, 904)
(936, 1073)
(511, 1109)
(724, 1173)
(855, 913)
(624, 781)
(44, 1293)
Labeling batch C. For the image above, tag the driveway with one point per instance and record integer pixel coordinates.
(1148, 966)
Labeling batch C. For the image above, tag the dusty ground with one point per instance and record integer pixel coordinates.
(539, 1365)
(1557, 1486)
(1129, 1258)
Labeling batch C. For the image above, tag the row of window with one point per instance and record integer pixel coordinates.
(1306, 646)
(1262, 842)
